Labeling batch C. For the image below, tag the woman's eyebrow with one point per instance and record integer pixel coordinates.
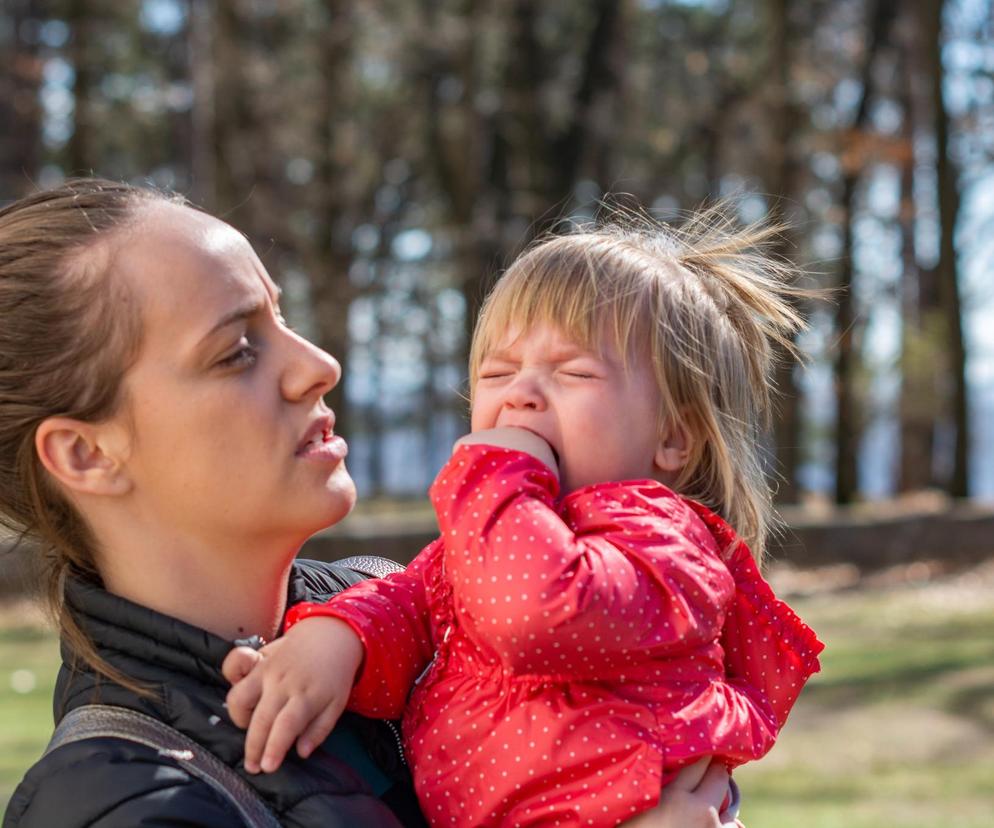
(246, 311)
(237, 315)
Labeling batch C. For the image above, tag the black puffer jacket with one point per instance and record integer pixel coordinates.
(113, 783)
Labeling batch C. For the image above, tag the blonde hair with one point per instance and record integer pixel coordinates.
(704, 302)
(68, 334)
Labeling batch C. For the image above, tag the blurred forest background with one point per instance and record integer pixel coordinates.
(388, 157)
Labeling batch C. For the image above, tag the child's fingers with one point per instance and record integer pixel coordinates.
(317, 731)
(257, 734)
(243, 698)
(239, 663)
(291, 720)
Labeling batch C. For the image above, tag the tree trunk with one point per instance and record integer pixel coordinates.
(231, 155)
(203, 187)
(20, 79)
(918, 407)
(80, 152)
(330, 257)
(948, 266)
(847, 360)
(783, 185)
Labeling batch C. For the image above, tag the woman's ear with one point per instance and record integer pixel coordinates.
(85, 458)
(675, 446)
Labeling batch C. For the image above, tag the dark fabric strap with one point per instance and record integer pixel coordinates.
(94, 721)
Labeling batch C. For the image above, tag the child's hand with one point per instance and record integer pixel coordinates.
(292, 690)
(520, 439)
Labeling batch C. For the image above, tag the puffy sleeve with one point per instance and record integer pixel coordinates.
(615, 569)
(391, 616)
(766, 644)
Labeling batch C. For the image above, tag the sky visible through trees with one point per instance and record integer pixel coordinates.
(388, 157)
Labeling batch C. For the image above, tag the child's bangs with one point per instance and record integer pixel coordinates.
(527, 297)
(566, 284)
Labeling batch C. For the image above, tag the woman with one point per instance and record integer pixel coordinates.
(163, 436)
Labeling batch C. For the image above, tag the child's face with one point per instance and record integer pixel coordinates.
(600, 419)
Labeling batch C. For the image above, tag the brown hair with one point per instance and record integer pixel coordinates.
(68, 335)
(704, 302)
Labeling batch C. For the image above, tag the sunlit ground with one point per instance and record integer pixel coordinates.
(898, 729)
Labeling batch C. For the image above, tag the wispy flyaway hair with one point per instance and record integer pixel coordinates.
(705, 302)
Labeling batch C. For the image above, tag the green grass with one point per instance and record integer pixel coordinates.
(28, 655)
(897, 729)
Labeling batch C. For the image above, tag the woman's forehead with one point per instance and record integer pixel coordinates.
(188, 267)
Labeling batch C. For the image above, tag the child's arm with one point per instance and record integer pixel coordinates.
(766, 645)
(296, 687)
(392, 618)
(623, 575)
(292, 691)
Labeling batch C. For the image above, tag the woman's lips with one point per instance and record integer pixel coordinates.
(332, 449)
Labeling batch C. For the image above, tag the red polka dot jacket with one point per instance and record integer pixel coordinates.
(567, 657)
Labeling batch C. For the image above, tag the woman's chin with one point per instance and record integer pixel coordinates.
(341, 496)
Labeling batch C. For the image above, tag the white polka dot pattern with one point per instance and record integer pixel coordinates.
(572, 656)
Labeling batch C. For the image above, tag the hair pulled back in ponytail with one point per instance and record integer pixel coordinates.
(68, 333)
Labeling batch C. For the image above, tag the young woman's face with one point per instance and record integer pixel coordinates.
(601, 419)
(229, 434)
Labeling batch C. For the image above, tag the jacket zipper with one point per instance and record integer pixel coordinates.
(400, 743)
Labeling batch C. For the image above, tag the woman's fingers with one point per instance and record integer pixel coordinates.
(713, 787)
(690, 777)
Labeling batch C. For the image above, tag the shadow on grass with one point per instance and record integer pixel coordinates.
(909, 681)
(975, 704)
(23, 635)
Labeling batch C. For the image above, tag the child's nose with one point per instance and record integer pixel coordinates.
(525, 392)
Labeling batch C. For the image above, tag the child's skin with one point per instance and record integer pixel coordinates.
(537, 392)
(589, 418)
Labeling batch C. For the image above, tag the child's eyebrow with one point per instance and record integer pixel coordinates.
(502, 355)
(561, 354)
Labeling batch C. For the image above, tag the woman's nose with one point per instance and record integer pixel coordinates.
(310, 373)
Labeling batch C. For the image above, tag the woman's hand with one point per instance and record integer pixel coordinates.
(512, 437)
(292, 690)
(691, 800)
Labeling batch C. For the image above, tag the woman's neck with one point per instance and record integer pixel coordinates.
(234, 593)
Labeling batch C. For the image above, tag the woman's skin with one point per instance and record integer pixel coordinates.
(199, 490)
(222, 459)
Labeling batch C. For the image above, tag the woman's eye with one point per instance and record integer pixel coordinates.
(246, 355)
